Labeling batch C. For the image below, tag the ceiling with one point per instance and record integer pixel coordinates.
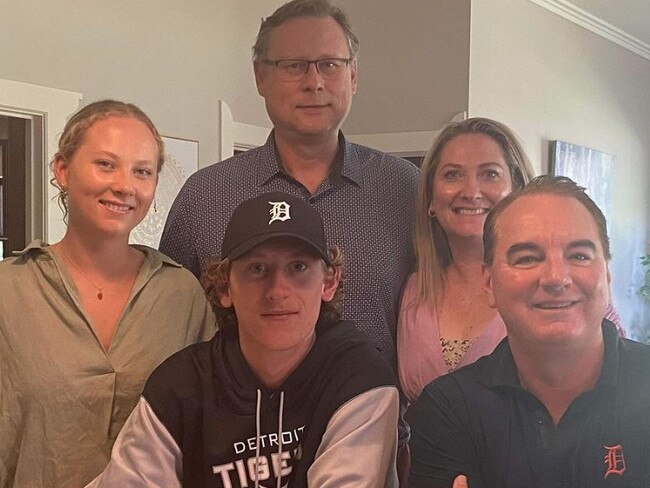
(631, 16)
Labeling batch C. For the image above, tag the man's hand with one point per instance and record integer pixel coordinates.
(460, 482)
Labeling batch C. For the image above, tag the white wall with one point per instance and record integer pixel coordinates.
(413, 66)
(544, 76)
(175, 59)
(246, 105)
(550, 79)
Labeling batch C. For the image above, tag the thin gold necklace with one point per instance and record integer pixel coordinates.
(100, 289)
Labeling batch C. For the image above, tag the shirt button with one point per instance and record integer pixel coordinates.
(540, 421)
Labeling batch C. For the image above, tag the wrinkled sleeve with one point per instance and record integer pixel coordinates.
(179, 235)
(9, 424)
(202, 320)
(144, 455)
(440, 446)
(359, 446)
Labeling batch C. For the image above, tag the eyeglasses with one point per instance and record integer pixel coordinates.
(294, 69)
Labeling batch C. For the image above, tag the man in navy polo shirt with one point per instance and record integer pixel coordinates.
(563, 401)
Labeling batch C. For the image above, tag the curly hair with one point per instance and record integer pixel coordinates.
(215, 283)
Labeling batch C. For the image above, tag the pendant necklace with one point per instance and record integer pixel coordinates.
(100, 289)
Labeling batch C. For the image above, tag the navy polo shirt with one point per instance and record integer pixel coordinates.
(480, 422)
(367, 204)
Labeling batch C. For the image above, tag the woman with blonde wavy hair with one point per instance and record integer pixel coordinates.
(84, 321)
(445, 321)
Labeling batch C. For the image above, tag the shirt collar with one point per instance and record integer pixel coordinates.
(346, 164)
(268, 161)
(351, 167)
(35, 244)
(504, 372)
(156, 259)
(609, 371)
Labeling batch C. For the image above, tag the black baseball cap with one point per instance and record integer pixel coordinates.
(273, 215)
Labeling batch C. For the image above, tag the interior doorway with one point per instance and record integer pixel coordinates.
(42, 113)
(15, 135)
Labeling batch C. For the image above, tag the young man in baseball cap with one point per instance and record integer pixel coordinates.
(285, 394)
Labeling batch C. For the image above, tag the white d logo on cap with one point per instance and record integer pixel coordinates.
(279, 211)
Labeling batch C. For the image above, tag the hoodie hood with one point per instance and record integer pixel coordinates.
(240, 384)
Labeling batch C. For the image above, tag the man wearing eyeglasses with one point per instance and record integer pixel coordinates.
(305, 63)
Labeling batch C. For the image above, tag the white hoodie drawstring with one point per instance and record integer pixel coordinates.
(281, 413)
(258, 421)
(258, 409)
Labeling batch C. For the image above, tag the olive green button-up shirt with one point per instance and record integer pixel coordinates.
(63, 399)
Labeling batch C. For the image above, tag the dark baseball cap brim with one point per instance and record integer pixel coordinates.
(246, 246)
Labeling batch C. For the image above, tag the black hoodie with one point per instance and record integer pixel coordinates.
(207, 398)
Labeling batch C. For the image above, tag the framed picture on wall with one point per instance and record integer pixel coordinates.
(181, 160)
(588, 167)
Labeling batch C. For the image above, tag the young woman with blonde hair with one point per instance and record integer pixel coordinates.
(84, 321)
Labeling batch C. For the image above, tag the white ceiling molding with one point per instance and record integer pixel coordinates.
(405, 144)
(400, 143)
(596, 25)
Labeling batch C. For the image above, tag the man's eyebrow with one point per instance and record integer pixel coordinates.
(521, 246)
(584, 243)
(531, 246)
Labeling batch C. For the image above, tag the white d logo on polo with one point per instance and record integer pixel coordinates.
(279, 211)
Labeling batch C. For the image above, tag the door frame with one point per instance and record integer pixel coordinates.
(48, 109)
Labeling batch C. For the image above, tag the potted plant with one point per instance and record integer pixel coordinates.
(644, 291)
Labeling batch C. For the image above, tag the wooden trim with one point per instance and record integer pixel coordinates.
(3, 200)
